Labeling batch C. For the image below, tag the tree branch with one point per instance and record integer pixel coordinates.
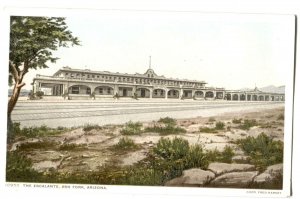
(20, 85)
(14, 70)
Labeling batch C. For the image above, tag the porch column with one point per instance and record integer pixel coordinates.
(193, 94)
(151, 92)
(166, 93)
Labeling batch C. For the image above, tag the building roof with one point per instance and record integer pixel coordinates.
(138, 75)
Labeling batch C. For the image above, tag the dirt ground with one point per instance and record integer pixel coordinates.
(95, 148)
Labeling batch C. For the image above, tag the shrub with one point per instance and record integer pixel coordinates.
(168, 121)
(263, 150)
(171, 149)
(247, 124)
(224, 156)
(236, 121)
(168, 129)
(89, 127)
(36, 131)
(18, 168)
(219, 126)
(196, 157)
(132, 128)
(208, 130)
(125, 143)
(72, 147)
(37, 145)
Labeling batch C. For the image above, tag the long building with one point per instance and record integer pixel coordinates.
(78, 83)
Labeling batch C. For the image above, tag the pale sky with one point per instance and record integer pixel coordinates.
(225, 50)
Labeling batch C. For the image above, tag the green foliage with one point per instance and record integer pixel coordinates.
(34, 131)
(18, 168)
(28, 146)
(168, 121)
(196, 157)
(263, 150)
(72, 147)
(219, 126)
(168, 129)
(172, 149)
(132, 128)
(247, 124)
(207, 130)
(39, 94)
(275, 183)
(224, 156)
(32, 40)
(237, 121)
(125, 143)
(89, 127)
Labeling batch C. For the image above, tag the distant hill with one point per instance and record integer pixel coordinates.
(269, 89)
(273, 89)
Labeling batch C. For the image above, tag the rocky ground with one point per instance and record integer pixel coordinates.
(82, 150)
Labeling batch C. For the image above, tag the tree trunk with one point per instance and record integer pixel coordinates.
(13, 99)
(11, 104)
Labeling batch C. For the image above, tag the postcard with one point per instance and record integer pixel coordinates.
(149, 102)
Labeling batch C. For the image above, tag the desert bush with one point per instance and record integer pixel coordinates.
(247, 124)
(171, 149)
(89, 127)
(125, 143)
(72, 147)
(196, 157)
(219, 126)
(46, 144)
(132, 128)
(263, 150)
(166, 130)
(18, 168)
(168, 121)
(236, 121)
(218, 156)
(34, 131)
(207, 130)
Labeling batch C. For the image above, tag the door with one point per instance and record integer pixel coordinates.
(124, 92)
(143, 93)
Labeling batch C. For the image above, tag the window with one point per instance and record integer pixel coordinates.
(155, 92)
(101, 90)
(93, 76)
(88, 76)
(161, 92)
(108, 91)
(98, 76)
(67, 74)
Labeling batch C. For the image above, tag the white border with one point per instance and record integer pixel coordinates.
(150, 191)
